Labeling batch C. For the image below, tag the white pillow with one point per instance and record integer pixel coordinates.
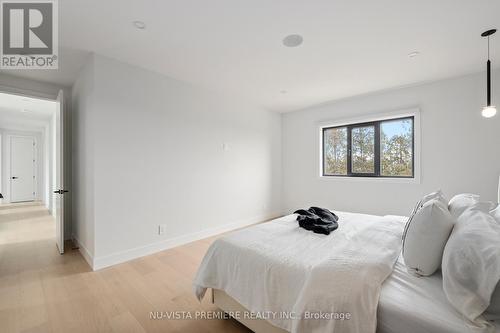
(434, 195)
(471, 261)
(438, 195)
(460, 202)
(425, 237)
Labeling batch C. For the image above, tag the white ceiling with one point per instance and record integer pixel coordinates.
(24, 113)
(350, 47)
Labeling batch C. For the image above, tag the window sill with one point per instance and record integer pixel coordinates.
(390, 180)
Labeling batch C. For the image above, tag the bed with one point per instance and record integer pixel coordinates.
(266, 269)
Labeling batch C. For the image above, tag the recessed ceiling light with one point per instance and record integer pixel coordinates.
(413, 54)
(139, 25)
(293, 40)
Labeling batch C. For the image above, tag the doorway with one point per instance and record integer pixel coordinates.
(31, 163)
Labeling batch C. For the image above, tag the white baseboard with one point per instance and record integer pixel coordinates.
(141, 251)
(89, 258)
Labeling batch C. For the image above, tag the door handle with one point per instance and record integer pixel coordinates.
(14, 177)
(61, 191)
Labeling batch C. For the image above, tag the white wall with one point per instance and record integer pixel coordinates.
(83, 132)
(158, 158)
(18, 85)
(460, 149)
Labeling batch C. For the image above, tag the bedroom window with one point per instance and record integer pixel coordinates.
(383, 148)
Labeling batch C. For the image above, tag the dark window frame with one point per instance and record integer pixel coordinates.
(377, 152)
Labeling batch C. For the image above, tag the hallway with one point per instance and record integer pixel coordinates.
(27, 239)
(27, 253)
(25, 222)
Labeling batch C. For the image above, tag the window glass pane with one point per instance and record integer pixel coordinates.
(335, 151)
(363, 149)
(396, 148)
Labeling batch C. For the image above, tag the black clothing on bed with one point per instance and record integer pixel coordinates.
(318, 220)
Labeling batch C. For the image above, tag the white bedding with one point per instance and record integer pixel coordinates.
(277, 267)
(411, 304)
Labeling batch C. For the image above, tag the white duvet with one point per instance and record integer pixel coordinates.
(305, 282)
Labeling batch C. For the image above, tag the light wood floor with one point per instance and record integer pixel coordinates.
(42, 291)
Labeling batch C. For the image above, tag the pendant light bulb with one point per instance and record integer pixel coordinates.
(489, 111)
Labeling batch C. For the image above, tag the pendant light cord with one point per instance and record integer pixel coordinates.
(488, 47)
(488, 76)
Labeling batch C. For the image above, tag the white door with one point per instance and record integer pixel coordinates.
(58, 191)
(22, 168)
